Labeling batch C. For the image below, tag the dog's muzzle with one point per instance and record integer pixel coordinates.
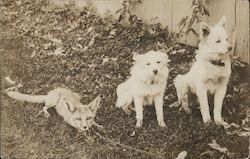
(155, 71)
(229, 48)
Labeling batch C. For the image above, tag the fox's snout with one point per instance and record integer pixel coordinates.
(84, 128)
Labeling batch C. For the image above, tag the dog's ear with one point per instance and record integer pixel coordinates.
(204, 30)
(166, 57)
(223, 21)
(136, 56)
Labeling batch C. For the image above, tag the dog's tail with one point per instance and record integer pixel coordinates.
(182, 89)
(124, 97)
(24, 97)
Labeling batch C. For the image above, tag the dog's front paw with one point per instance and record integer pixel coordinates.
(221, 122)
(139, 123)
(126, 110)
(161, 123)
(208, 123)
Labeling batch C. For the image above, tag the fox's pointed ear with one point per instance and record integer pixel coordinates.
(95, 104)
(136, 56)
(204, 30)
(223, 21)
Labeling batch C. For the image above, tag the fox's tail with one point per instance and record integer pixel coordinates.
(26, 97)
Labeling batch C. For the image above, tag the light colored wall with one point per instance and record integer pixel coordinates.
(170, 12)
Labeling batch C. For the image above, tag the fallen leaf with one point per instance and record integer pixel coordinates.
(90, 29)
(106, 59)
(216, 146)
(182, 155)
(56, 40)
(132, 134)
(33, 54)
(244, 134)
(175, 104)
(58, 51)
(181, 50)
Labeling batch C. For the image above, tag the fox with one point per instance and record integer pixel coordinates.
(67, 105)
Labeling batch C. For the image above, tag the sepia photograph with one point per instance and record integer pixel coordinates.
(124, 79)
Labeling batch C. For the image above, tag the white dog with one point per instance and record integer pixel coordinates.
(146, 85)
(210, 72)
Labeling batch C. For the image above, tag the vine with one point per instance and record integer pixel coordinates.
(125, 13)
(198, 9)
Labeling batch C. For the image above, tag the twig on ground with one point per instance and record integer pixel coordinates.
(58, 51)
(115, 143)
(92, 41)
(10, 81)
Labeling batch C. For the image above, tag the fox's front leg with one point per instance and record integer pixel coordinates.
(218, 101)
(158, 101)
(139, 111)
(97, 125)
(45, 110)
(203, 100)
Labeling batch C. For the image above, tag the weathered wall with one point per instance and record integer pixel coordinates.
(169, 13)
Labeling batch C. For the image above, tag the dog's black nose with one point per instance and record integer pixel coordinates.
(85, 127)
(230, 48)
(155, 71)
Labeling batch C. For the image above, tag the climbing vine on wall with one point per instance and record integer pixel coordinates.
(125, 13)
(198, 9)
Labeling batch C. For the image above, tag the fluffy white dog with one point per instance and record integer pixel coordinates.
(210, 72)
(146, 85)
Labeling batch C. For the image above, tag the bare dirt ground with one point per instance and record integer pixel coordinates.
(42, 47)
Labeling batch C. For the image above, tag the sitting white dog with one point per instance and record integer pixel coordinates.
(210, 72)
(146, 85)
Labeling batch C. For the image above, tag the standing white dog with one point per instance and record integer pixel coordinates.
(210, 72)
(146, 85)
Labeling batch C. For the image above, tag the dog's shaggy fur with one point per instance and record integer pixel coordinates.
(210, 72)
(146, 85)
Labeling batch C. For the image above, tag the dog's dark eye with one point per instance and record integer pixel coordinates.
(88, 118)
(147, 63)
(158, 62)
(226, 39)
(218, 41)
(78, 118)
